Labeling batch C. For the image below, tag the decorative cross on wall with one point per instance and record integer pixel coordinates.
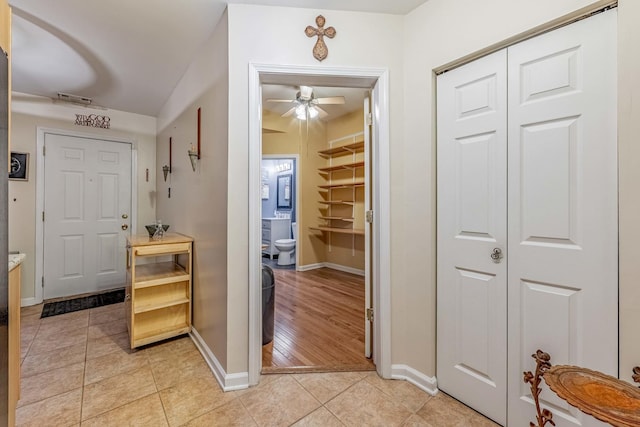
(320, 50)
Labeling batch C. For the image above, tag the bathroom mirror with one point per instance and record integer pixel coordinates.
(284, 191)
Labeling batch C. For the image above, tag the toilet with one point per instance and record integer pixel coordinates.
(287, 248)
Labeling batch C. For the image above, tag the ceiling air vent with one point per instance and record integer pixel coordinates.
(75, 99)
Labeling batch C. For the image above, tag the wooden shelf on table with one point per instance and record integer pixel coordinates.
(159, 273)
(343, 149)
(356, 231)
(160, 334)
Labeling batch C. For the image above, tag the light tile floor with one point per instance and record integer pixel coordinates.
(77, 369)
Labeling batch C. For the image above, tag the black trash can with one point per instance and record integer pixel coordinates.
(268, 303)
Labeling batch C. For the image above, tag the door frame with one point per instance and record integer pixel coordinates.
(376, 79)
(40, 192)
(296, 170)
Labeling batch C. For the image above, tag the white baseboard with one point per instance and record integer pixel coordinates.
(344, 268)
(310, 267)
(26, 302)
(420, 380)
(228, 382)
(332, 266)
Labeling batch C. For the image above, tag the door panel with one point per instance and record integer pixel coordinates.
(471, 347)
(563, 254)
(561, 218)
(368, 303)
(88, 189)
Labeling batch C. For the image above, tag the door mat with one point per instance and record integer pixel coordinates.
(82, 303)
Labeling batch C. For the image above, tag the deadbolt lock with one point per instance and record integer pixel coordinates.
(125, 216)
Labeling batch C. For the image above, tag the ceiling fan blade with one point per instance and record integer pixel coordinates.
(322, 114)
(290, 112)
(280, 100)
(331, 100)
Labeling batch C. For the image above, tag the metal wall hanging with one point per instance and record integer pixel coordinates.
(194, 152)
(93, 120)
(320, 50)
(166, 169)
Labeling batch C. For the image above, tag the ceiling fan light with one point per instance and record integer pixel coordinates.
(301, 112)
(313, 112)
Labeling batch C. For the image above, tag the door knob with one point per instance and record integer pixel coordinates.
(125, 216)
(124, 226)
(496, 255)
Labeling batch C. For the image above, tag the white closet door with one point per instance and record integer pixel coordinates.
(472, 210)
(563, 245)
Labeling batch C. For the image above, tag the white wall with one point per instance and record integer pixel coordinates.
(198, 203)
(441, 31)
(434, 34)
(27, 113)
(275, 35)
(629, 179)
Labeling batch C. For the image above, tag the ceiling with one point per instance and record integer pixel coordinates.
(354, 99)
(128, 54)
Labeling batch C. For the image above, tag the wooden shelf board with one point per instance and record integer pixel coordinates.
(159, 273)
(336, 202)
(356, 231)
(343, 149)
(343, 185)
(160, 334)
(338, 218)
(143, 308)
(340, 167)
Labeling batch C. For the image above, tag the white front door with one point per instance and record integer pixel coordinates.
(558, 163)
(563, 230)
(472, 204)
(87, 204)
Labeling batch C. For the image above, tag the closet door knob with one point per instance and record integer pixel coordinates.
(496, 255)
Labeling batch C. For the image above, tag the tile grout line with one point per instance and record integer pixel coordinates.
(155, 384)
(247, 410)
(84, 373)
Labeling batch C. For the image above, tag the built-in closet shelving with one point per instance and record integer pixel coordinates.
(344, 176)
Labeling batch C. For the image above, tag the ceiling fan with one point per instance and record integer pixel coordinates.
(306, 104)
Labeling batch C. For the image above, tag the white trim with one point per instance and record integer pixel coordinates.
(255, 226)
(26, 302)
(381, 236)
(417, 378)
(40, 136)
(378, 78)
(344, 268)
(332, 266)
(309, 267)
(228, 382)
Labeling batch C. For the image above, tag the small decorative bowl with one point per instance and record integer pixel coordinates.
(152, 228)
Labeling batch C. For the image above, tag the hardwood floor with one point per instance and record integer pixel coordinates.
(319, 323)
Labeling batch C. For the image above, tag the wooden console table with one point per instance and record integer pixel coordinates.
(602, 396)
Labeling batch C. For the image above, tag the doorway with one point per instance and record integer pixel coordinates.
(527, 218)
(362, 78)
(320, 287)
(85, 191)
